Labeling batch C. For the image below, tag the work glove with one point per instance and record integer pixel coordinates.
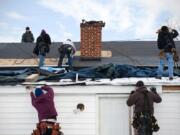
(132, 92)
(153, 89)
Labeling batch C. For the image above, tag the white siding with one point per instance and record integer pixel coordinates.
(168, 114)
(18, 117)
(82, 123)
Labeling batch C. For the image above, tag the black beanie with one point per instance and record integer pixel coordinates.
(164, 28)
(139, 84)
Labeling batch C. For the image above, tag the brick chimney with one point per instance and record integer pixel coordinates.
(90, 45)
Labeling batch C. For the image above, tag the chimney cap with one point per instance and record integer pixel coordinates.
(92, 23)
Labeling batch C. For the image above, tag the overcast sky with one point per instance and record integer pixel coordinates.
(125, 19)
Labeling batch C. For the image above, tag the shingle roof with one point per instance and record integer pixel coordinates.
(139, 53)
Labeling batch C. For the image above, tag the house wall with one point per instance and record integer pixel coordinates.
(168, 114)
(18, 117)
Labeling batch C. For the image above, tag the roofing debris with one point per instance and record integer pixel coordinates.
(50, 74)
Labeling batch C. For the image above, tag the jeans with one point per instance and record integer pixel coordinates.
(169, 58)
(41, 60)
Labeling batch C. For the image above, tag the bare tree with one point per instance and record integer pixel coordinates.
(173, 24)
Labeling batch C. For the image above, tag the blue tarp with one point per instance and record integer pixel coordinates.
(13, 77)
(109, 71)
(105, 71)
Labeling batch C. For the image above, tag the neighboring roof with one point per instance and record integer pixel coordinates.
(138, 53)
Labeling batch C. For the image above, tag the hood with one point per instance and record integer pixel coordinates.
(43, 32)
(142, 89)
(28, 31)
(40, 98)
(165, 32)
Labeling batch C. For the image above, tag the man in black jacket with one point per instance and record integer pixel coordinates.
(42, 47)
(167, 47)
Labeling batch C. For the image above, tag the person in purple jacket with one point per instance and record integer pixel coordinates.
(43, 101)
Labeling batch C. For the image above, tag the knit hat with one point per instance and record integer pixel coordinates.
(139, 84)
(38, 92)
(27, 28)
(164, 28)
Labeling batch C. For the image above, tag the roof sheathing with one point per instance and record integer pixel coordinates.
(138, 53)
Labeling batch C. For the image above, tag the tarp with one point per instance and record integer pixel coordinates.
(109, 71)
(105, 71)
(13, 77)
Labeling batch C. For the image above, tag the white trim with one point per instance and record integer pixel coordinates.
(97, 114)
(130, 119)
(116, 82)
(171, 91)
(94, 89)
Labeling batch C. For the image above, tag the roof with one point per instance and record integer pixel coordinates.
(138, 53)
(126, 55)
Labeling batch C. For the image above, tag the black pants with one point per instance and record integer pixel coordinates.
(67, 52)
(48, 131)
(145, 128)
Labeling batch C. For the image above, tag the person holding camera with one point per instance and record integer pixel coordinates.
(42, 47)
(167, 47)
(67, 48)
(144, 108)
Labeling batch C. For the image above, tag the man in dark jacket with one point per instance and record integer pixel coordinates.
(27, 36)
(167, 47)
(139, 98)
(67, 48)
(42, 47)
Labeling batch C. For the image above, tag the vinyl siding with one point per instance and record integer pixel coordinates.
(18, 117)
(168, 114)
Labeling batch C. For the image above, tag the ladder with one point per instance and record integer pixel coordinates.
(44, 128)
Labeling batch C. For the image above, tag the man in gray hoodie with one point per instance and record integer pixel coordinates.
(27, 37)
